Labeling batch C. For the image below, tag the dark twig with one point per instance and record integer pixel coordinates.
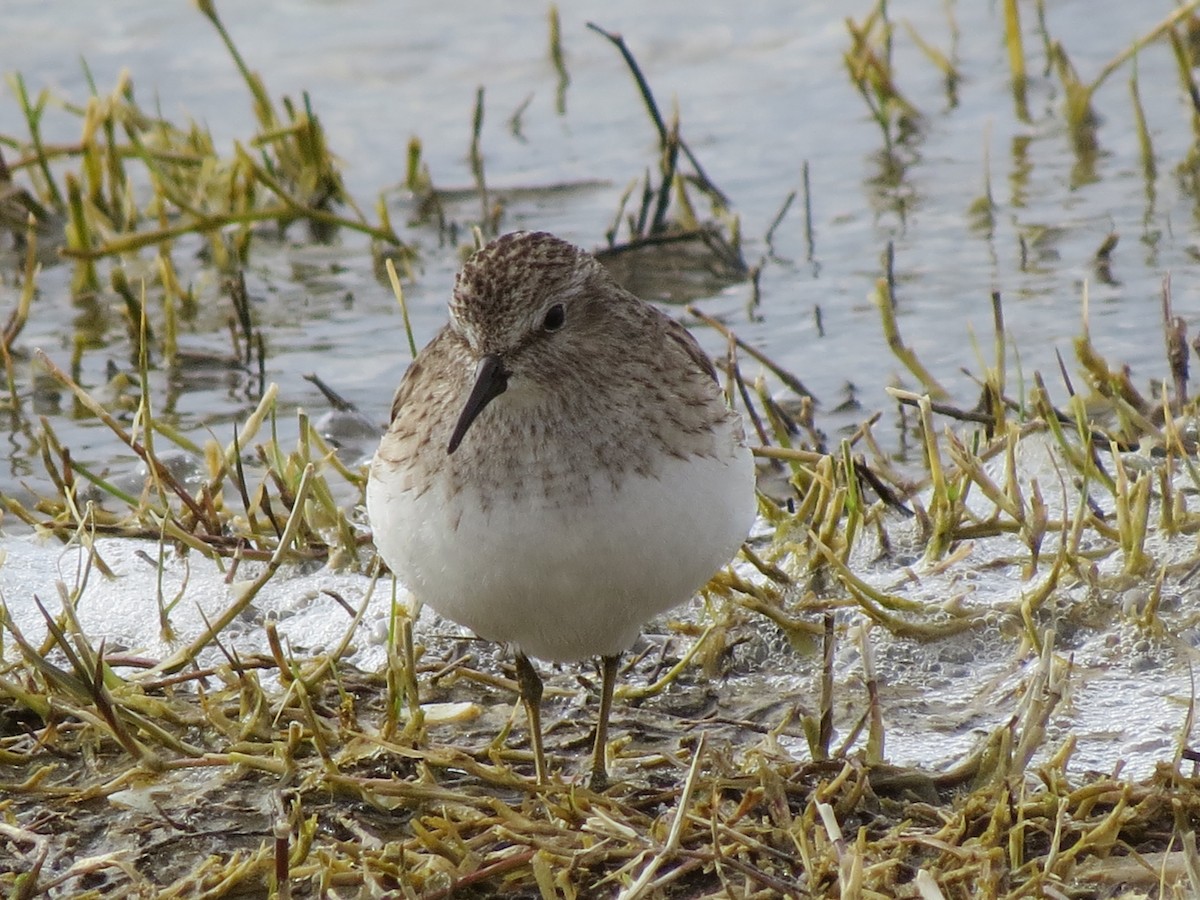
(783, 211)
(781, 373)
(652, 107)
(670, 160)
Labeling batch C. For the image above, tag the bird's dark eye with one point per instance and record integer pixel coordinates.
(555, 317)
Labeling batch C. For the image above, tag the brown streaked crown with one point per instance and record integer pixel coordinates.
(501, 287)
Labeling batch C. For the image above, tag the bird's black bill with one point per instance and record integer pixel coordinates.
(491, 380)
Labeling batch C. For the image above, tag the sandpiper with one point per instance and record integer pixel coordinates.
(561, 466)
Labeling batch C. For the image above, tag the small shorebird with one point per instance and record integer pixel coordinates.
(561, 466)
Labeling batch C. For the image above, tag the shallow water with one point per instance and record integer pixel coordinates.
(760, 94)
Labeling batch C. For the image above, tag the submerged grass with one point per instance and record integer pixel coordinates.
(210, 773)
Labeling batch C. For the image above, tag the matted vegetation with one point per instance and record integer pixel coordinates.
(210, 773)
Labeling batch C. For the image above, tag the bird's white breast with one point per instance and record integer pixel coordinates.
(565, 578)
